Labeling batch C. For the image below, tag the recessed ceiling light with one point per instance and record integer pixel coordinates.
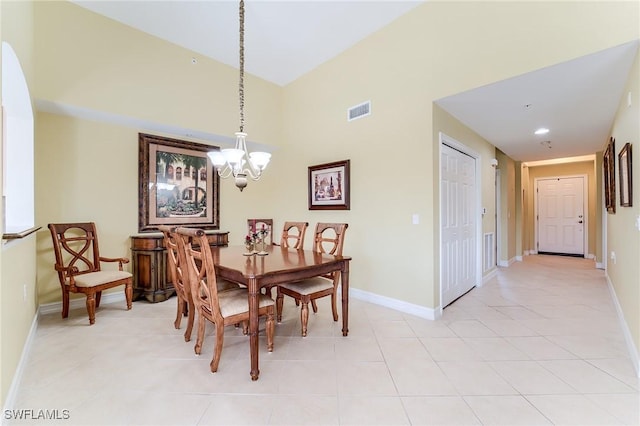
(541, 131)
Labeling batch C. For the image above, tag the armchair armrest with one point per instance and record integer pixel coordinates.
(120, 260)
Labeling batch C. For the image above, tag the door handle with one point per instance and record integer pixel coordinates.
(579, 221)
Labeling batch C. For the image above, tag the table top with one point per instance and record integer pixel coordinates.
(278, 265)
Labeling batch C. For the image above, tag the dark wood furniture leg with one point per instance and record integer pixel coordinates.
(252, 287)
(344, 282)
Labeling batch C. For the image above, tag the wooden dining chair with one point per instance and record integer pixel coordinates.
(220, 308)
(256, 225)
(79, 266)
(328, 239)
(180, 279)
(294, 240)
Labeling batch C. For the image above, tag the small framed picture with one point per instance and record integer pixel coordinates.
(624, 164)
(329, 186)
(609, 165)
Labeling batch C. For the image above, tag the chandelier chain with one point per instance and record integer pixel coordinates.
(241, 83)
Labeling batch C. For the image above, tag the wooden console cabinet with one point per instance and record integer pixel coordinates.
(149, 264)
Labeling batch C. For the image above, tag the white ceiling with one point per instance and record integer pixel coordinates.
(576, 100)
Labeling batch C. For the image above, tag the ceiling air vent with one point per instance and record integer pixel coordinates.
(359, 111)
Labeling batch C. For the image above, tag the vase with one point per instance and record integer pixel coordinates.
(250, 249)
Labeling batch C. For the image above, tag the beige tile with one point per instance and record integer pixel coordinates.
(539, 348)
(410, 349)
(572, 410)
(449, 349)
(530, 378)
(371, 410)
(475, 378)
(505, 410)
(439, 410)
(308, 378)
(421, 377)
(624, 407)
(494, 349)
(305, 410)
(585, 377)
(470, 328)
(226, 410)
(364, 378)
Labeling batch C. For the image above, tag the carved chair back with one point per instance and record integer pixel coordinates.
(295, 239)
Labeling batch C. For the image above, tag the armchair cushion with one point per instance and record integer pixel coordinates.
(309, 286)
(93, 279)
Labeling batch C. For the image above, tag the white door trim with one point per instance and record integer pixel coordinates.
(585, 207)
(447, 140)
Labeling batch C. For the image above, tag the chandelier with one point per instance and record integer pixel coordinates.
(239, 162)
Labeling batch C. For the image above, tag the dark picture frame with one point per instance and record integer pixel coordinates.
(625, 178)
(329, 186)
(177, 184)
(609, 169)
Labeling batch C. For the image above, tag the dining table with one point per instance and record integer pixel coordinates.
(279, 265)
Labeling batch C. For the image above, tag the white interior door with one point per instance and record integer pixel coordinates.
(458, 209)
(561, 219)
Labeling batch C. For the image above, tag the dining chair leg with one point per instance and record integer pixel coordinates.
(98, 297)
(179, 312)
(314, 306)
(91, 307)
(334, 307)
(279, 303)
(270, 326)
(304, 316)
(191, 312)
(128, 294)
(65, 304)
(217, 350)
(200, 337)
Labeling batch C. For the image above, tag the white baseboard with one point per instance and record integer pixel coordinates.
(399, 305)
(631, 347)
(490, 275)
(80, 302)
(507, 263)
(17, 376)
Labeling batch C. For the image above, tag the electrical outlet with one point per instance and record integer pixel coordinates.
(613, 257)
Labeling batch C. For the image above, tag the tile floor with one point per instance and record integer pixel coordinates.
(539, 344)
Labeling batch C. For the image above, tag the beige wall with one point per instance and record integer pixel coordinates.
(507, 216)
(623, 237)
(17, 258)
(441, 48)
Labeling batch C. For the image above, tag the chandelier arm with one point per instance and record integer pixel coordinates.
(225, 172)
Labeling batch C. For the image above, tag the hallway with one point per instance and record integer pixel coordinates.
(538, 344)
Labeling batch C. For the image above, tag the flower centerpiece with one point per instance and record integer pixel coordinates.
(249, 244)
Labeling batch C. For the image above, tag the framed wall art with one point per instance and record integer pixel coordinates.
(329, 186)
(177, 184)
(625, 180)
(609, 172)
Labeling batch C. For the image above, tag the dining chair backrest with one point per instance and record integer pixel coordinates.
(329, 238)
(255, 226)
(175, 267)
(179, 276)
(201, 269)
(294, 240)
